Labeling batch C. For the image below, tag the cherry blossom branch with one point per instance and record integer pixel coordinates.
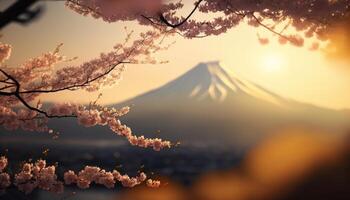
(75, 86)
(40, 176)
(307, 19)
(268, 28)
(166, 22)
(16, 93)
(243, 15)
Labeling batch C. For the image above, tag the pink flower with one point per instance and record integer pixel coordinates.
(296, 40)
(3, 163)
(41, 164)
(153, 183)
(142, 177)
(263, 41)
(89, 118)
(5, 52)
(70, 177)
(44, 177)
(38, 176)
(282, 40)
(315, 46)
(114, 10)
(83, 184)
(5, 180)
(106, 179)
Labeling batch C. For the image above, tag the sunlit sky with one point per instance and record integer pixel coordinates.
(292, 72)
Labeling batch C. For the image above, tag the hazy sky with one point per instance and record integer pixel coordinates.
(292, 72)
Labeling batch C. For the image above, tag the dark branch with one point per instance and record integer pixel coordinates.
(268, 28)
(150, 19)
(19, 12)
(17, 94)
(166, 22)
(6, 87)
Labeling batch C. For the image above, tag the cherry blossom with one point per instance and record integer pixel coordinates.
(4, 177)
(306, 18)
(91, 174)
(263, 41)
(4, 181)
(5, 52)
(40, 176)
(114, 10)
(3, 163)
(315, 46)
(23, 85)
(153, 183)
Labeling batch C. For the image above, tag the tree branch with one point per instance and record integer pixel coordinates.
(268, 28)
(72, 87)
(17, 94)
(166, 22)
(18, 9)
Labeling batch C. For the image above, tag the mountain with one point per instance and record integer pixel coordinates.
(209, 82)
(210, 104)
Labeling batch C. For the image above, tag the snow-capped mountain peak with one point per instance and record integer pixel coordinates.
(212, 80)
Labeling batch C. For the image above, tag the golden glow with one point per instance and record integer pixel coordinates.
(272, 62)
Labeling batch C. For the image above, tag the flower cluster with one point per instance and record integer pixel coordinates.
(3, 163)
(22, 118)
(308, 18)
(99, 176)
(4, 177)
(103, 116)
(38, 75)
(39, 176)
(153, 183)
(5, 52)
(111, 11)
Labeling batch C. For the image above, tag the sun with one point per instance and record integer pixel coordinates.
(272, 62)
